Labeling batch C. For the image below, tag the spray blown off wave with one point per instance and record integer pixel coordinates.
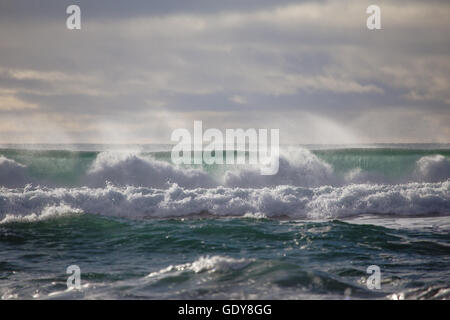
(12, 174)
(137, 170)
(433, 168)
(297, 167)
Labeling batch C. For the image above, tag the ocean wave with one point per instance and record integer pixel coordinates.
(300, 167)
(432, 168)
(290, 201)
(297, 167)
(12, 173)
(51, 211)
(205, 264)
(435, 292)
(133, 169)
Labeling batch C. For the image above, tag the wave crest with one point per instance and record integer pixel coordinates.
(297, 167)
(288, 201)
(206, 263)
(48, 212)
(433, 168)
(123, 169)
(12, 173)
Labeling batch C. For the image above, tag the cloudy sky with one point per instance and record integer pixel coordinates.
(139, 69)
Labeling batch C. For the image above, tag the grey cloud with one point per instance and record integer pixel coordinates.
(188, 59)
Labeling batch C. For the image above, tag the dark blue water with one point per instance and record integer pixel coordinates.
(225, 258)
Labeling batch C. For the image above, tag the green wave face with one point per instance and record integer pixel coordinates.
(65, 167)
(389, 162)
(68, 167)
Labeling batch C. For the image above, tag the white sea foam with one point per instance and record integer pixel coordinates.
(52, 211)
(305, 187)
(290, 201)
(205, 264)
(133, 169)
(297, 167)
(432, 168)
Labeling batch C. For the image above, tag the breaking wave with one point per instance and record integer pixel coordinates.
(297, 167)
(123, 169)
(281, 201)
(53, 211)
(139, 186)
(12, 174)
(205, 264)
(432, 168)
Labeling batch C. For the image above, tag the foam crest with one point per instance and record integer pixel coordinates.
(297, 167)
(206, 264)
(46, 213)
(133, 169)
(433, 168)
(281, 201)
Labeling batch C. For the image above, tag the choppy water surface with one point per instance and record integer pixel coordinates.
(140, 227)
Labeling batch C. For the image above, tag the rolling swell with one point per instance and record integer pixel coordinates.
(216, 259)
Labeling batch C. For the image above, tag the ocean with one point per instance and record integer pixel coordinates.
(139, 227)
